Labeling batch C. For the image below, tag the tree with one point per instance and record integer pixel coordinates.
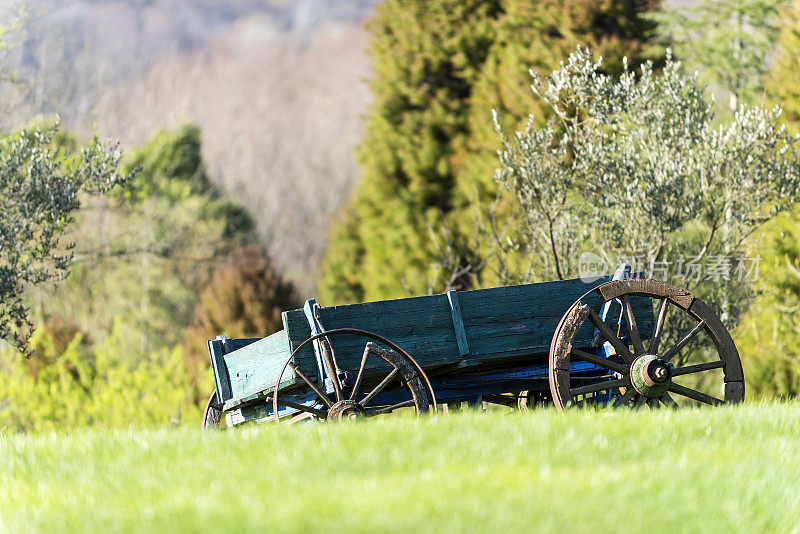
(145, 253)
(769, 334)
(730, 42)
(783, 81)
(426, 57)
(439, 68)
(245, 298)
(639, 167)
(40, 188)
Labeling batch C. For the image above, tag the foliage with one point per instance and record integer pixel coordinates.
(638, 166)
(537, 36)
(769, 336)
(439, 67)
(244, 298)
(40, 188)
(730, 42)
(100, 389)
(783, 81)
(426, 58)
(147, 252)
(719, 470)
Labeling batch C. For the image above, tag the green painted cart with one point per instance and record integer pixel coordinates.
(616, 340)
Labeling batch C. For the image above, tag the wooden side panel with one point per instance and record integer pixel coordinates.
(422, 326)
(255, 367)
(498, 323)
(222, 382)
(510, 321)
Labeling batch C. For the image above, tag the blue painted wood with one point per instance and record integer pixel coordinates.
(458, 322)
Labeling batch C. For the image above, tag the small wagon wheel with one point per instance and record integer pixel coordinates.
(348, 402)
(212, 415)
(643, 375)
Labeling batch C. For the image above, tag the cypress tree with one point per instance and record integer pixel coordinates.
(426, 58)
(429, 146)
(783, 81)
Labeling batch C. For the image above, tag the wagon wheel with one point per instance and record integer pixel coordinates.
(644, 376)
(212, 415)
(348, 402)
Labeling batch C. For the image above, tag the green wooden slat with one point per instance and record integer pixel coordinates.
(420, 325)
(254, 368)
(511, 321)
(222, 382)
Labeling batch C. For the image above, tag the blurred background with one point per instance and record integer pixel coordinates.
(342, 149)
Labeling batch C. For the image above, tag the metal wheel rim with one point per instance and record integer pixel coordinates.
(357, 332)
(211, 414)
(561, 345)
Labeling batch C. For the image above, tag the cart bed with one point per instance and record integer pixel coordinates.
(472, 330)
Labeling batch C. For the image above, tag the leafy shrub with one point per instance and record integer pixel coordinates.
(768, 337)
(41, 187)
(104, 391)
(245, 298)
(146, 253)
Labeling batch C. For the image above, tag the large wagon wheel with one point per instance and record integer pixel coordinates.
(212, 415)
(348, 401)
(643, 376)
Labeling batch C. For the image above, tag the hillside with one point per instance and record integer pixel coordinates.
(277, 87)
(706, 470)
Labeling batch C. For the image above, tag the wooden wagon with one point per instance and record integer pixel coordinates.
(569, 343)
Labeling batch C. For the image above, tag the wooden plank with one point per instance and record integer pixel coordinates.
(314, 329)
(506, 322)
(423, 326)
(222, 381)
(458, 323)
(255, 367)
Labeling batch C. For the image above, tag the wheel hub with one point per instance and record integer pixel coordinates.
(345, 410)
(650, 375)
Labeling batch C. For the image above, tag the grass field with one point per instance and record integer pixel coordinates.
(710, 470)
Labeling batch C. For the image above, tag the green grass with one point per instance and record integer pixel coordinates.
(714, 470)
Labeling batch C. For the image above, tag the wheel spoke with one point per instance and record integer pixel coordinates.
(378, 411)
(299, 417)
(379, 387)
(659, 328)
(600, 361)
(308, 381)
(367, 352)
(633, 330)
(606, 332)
(640, 401)
(600, 386)
(624, 399)
(694, 394)
(298, 406)
(667, 400)
(333, 372)
(682, 343)
(698, 368)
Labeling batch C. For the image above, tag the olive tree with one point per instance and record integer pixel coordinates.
(40, 190)
(640, 166)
